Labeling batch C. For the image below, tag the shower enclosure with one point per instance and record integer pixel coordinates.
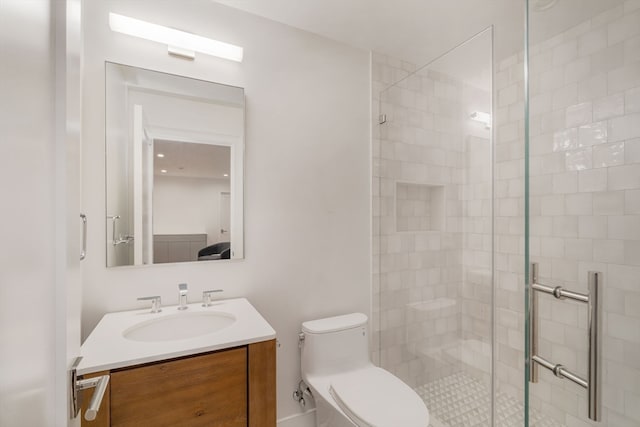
(485, 165)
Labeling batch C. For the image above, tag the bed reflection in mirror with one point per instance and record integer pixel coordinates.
(174, 165)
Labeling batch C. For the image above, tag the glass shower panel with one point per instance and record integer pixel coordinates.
(433, 229)
(584, 201)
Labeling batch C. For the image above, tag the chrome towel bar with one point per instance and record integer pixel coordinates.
(594, 301)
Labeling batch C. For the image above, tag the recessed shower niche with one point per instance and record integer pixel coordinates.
(419, 207)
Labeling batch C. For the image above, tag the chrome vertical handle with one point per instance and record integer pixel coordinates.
(533, 323)
(595, 345)
(83, 251)
(594, 302)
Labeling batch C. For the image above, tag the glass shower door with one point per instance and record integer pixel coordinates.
(433, 229)
(583, 213)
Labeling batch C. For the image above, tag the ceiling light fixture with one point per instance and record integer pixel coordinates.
(160, 155)
(481, 117)
(163, 171)
(225, 175)
(179, 42)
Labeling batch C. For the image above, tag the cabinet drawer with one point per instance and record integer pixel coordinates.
(207, 390)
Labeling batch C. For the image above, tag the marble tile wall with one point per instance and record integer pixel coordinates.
(428, 142)
(585, 191)
(585, 215)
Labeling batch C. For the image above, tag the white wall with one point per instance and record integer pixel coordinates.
(187, 205)
(307, 216)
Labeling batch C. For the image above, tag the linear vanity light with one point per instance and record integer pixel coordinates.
(481, 117)
(179, 42)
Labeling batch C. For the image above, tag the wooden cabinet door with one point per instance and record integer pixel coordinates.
(206, 390)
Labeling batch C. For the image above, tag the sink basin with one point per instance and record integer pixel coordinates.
(136, 337)
(180, 326)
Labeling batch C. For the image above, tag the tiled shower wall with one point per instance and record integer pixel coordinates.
(585, 205)
(585, 215)
(431, 306)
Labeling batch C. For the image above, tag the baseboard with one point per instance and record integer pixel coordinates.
(305, 419)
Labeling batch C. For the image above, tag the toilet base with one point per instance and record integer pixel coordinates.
(327, 415)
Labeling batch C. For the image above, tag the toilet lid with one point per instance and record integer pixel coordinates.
(373, 397)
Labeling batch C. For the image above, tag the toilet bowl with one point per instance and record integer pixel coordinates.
(347, 388)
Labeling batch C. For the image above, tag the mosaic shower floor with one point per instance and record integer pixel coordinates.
(460, 400)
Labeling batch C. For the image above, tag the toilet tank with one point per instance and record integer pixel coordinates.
(334, 344)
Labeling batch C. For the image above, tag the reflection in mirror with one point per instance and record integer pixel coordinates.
(174, 150)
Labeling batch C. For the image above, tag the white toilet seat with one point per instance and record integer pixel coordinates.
(373, 397)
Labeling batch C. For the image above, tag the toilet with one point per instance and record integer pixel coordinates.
(347, 388)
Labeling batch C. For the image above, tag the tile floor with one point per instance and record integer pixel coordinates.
(460, 400)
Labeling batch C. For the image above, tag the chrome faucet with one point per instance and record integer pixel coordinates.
(182, 296)
(156, 303)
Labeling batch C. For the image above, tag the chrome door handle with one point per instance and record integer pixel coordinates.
(593, 299)
(83, 251)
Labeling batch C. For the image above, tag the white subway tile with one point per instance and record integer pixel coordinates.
(626, 177)
(563, 96)
(592, 134)
(565, 226)
(592, 227)
(609, 251)
(592, 41)
(607, 16)
(632, 50)
(579, 204)
(609, 155)
(577, 70)
(632, 100)
(631, 5)
(625, 127)
(608, 203)
(579, 114)
(552, 247)
(507, 96)
(552, 205)
(623, 277)
(623, 327)
(608, 59)
(623, 78)
(578, 249)
(565, 183)
(592, 88)
(632, 252)
(565, 52)
(610, 106)
(626, 227)
(579, 160)
(540, 104)
(632, 202)
(623, 28)
(566, 139)
(592, 180)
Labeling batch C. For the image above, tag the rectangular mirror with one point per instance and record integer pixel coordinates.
(174, 168)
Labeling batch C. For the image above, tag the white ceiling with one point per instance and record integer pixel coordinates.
(421, 30)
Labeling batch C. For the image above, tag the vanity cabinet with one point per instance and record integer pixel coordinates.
(227, 388)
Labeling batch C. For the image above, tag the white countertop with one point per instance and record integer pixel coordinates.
(106, 348)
